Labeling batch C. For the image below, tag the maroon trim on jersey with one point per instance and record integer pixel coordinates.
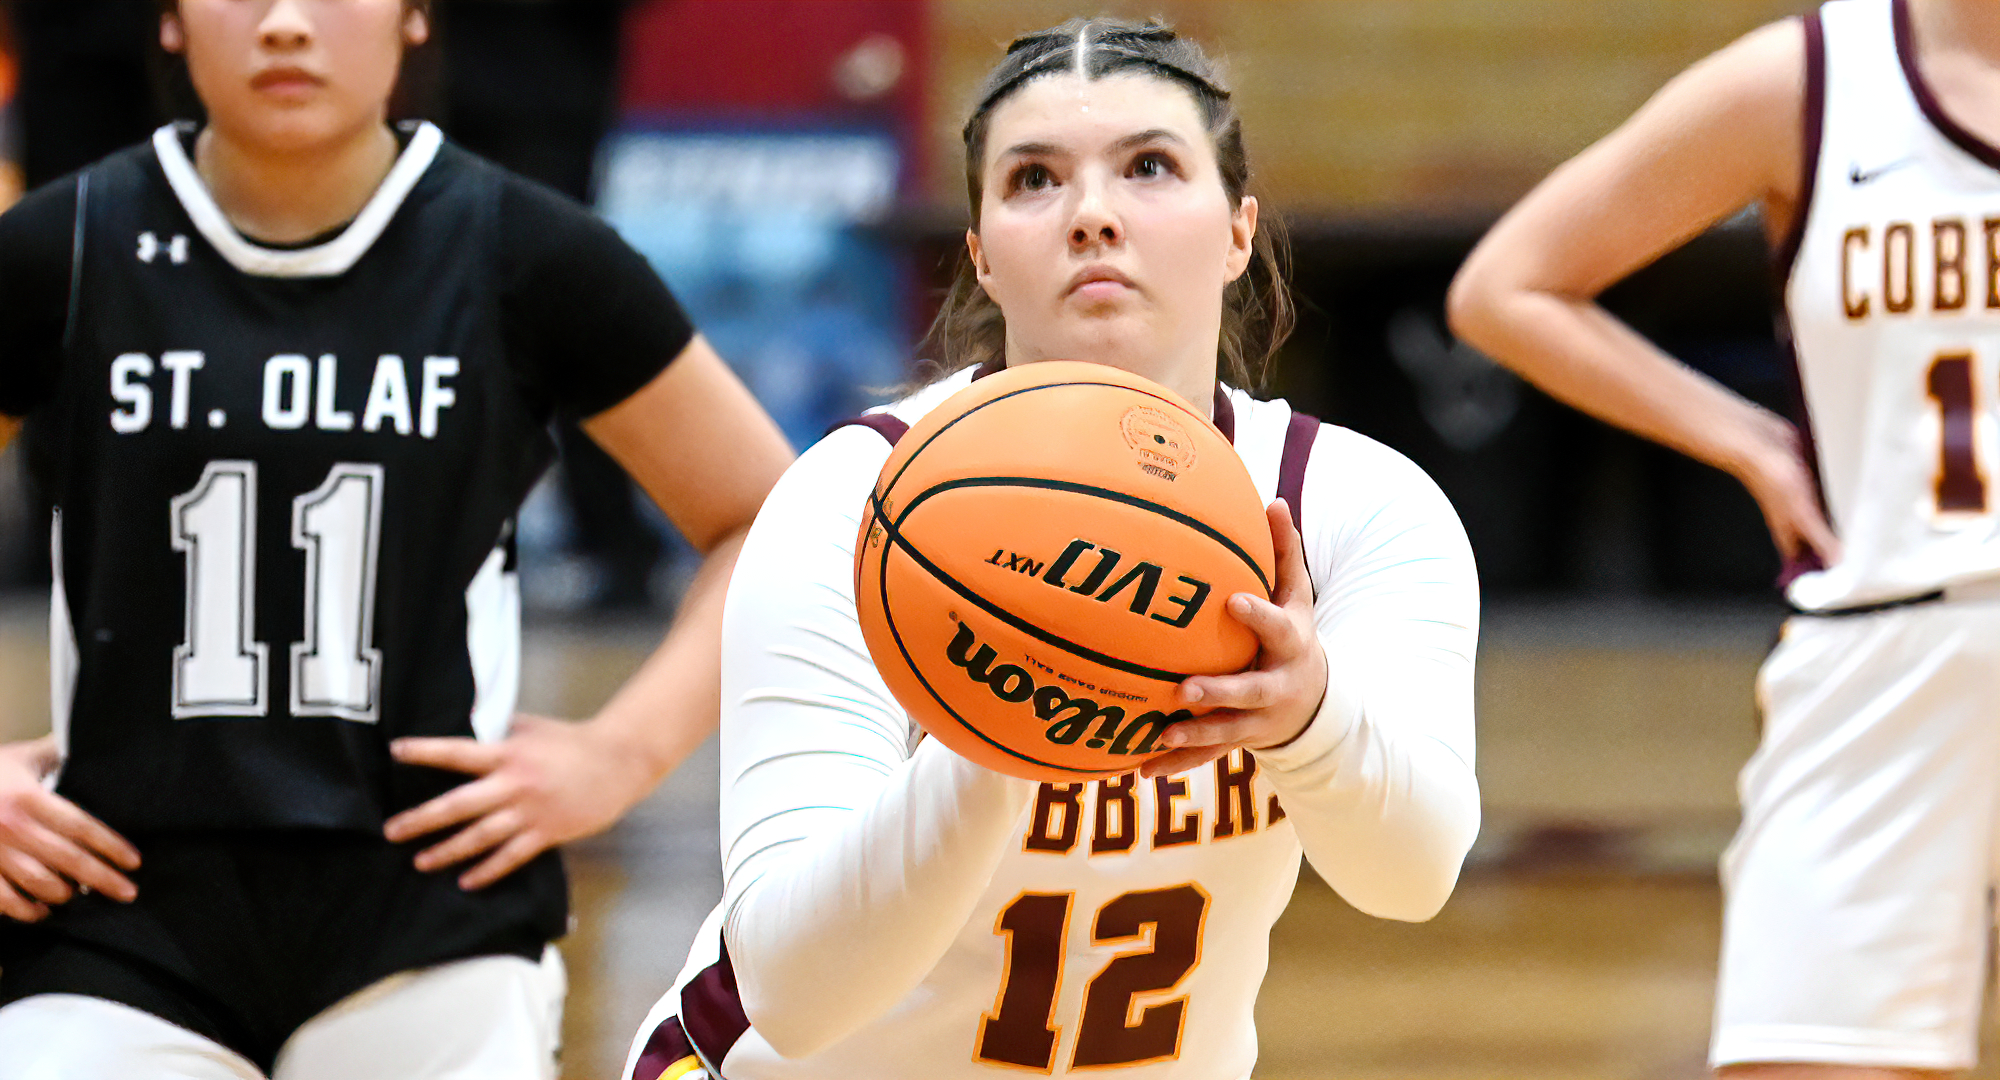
(1814, 127)
(1299, 436)
(1927, 100)
(712, 1010)
(881, 424)
(1225, 414)
(666, 1047)
(990, 367)
(1797, 565)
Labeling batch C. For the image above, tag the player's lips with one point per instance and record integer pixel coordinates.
(1099, 283)
(286, 80)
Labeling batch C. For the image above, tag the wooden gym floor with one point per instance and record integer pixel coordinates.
(1581, 943)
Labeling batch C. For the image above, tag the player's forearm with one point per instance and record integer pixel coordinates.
(1580, 354)
(9, 427)
(1385, 810)
(672, 703)
(831, 934)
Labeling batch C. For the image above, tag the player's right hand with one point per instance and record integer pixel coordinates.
(1783, 484)
(48, 845)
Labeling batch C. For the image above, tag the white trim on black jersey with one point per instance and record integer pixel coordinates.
(331, 259)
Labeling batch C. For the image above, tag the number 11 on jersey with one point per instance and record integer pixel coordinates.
(219, 667)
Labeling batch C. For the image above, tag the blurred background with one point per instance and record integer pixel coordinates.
(794, 171)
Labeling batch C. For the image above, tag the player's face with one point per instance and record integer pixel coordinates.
(291, 75)
(1105, 233)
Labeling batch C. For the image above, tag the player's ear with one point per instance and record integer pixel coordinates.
(980, 270)
(1242, 237)
(416, 28)
(173, 38)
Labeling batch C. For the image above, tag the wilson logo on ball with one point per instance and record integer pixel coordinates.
(1069, 717)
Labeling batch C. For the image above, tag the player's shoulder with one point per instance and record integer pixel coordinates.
(917, 403)
(1765, 68)
(1352, 484)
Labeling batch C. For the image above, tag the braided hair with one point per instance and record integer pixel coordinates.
(1257, 313)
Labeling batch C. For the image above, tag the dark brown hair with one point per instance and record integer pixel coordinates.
(1257, 312)
(173, 7)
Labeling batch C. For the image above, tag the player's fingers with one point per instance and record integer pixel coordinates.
(512, 855)
(462, 803)
(1180, 761)
(70, 820)
(1294, 584)
(18, 906)
(31, 877)
(64, 857)
(1278, 634)
(1225, 727)
(1248, 690)
(457, 753)
(479, 836)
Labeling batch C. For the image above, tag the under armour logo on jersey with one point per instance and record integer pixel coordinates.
(150, 247)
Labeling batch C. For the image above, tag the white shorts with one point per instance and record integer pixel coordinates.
(1857, 916)
(490, 1018)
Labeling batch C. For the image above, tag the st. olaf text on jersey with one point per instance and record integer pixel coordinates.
(1949, 263)
(298, 394)
(1118, 815)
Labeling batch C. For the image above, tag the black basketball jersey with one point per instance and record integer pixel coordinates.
(284, 482)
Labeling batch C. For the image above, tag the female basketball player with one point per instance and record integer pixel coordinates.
(289, 377)
(1858, 914)
(894, 910)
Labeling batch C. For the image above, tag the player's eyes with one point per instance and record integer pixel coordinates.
(1030, 177)
(1153, 165)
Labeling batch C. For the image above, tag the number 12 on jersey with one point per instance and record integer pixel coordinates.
(219, 667)
(1166, 924)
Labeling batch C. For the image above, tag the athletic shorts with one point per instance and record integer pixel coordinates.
(242, 939)
(1857, 916)
(492, 1018)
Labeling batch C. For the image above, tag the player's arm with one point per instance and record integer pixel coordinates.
(850, 861)
(9, 427)
(1724, 134)
(1360, 708)
(707, 453)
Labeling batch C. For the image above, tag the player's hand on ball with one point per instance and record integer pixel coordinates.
(547, 783)
(1270, 704)
(48, 846)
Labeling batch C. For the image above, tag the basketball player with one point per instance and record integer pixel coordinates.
(1857, 890)
(293, 372)
(894, 910)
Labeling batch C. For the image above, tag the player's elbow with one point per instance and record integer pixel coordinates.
(1472, 303)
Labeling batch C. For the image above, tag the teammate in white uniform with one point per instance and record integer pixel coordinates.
(893, 910)
(1858, 913)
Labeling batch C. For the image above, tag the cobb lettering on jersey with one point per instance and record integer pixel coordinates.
(1896, 267)
(296, 393)
(1124, 809)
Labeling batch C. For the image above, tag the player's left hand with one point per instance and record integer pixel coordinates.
(1271, 703)
(547, 783)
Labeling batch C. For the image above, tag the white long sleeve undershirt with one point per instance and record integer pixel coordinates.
(853, 859)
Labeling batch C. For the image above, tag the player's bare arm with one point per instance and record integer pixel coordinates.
(704, 450)
(47, 845)
(1723, 135)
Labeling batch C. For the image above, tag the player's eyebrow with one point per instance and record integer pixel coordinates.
(1141, 138)
(1032, 149)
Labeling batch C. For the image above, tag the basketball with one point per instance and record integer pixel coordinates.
(1046, 555)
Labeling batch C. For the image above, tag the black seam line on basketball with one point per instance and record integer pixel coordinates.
(1110, 494)
(953, 422)
(910, 662)
(895, 536)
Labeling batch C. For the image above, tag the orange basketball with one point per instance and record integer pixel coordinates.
(1046, 555)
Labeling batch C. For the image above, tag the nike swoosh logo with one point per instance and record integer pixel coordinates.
(1857, 176)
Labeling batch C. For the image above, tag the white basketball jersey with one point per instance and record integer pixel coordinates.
(1894, 304)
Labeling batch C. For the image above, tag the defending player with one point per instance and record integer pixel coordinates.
(894, 910)
(289, 377)
(1858, 914)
